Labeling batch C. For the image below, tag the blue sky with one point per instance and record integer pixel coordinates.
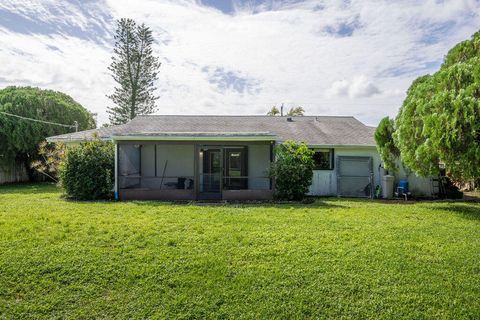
(331, 57)
(226, 6)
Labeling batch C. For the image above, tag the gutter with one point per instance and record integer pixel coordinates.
(194, 138)
(76, 140)
(342, 146)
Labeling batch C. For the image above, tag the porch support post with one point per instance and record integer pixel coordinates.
(272, 158)
(222, 167)
(155, 159)
(196, 175)
(115, 186)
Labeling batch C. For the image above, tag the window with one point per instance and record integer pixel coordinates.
(323, 159)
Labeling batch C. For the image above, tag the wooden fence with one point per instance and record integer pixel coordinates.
(12, 172)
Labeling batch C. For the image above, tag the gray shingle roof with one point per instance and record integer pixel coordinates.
(313, 130)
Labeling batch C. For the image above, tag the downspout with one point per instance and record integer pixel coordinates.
(115, 187)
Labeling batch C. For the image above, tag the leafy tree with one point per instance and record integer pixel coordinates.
(135, 69)
(385, 144)
(19, 138)
(273, 112)
(292, 170)
(295, 112)
(439, 121)
(87, 171)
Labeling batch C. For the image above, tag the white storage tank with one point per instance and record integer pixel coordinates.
(387, 186)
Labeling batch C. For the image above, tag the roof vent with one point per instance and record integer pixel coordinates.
(290, 119)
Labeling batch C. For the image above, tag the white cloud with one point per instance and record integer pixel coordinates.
(293, 52)
(358, 87)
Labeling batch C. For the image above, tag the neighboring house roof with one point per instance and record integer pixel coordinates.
(313, 130)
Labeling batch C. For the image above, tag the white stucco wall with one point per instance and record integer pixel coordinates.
(324, 182)
(418, 186)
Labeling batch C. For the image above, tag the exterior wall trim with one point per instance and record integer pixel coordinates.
(194, 138)
(333, 146)
(190, 142)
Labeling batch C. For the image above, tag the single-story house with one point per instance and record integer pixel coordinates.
(227, 157)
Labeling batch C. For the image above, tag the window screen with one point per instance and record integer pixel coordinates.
(323, 159)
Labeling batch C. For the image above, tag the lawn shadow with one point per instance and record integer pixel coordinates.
(466, 210)
(318, 204)
(28, 188)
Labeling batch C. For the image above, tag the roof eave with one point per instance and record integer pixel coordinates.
(194, 138)
(75, 140)
(342, 145)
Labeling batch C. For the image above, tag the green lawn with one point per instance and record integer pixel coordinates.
(331, 259)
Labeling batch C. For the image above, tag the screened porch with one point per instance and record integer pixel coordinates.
(191, 171)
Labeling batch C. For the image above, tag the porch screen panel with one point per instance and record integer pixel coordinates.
(175, 166)
(148, 180)
(129, 165)
(258, 165)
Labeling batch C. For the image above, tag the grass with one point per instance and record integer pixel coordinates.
(332, 259)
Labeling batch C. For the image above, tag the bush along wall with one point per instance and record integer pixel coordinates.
(87, 171)
(292, 170)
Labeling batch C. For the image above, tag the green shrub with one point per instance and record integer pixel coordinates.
(386, 145)
(292, 170)
(87, 171)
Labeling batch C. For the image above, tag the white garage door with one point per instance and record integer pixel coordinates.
(354, 176)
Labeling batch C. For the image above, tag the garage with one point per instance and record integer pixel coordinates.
(354, 176)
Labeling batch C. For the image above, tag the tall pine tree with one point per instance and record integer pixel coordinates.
(135, 69)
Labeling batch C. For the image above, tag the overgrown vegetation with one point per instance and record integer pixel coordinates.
(87, 171)
(439, 121)
(19, 138)
(292, 170)
(50, 157)
(386, 147)
(334, 259)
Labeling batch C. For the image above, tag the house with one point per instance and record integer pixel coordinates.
(228, 157)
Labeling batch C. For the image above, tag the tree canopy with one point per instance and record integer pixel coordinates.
(387, 149)
(273, 112)
(293, 112)
(19, 138)
(439, 121)
(135, 69)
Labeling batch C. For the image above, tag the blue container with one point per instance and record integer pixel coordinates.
(403, 184)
